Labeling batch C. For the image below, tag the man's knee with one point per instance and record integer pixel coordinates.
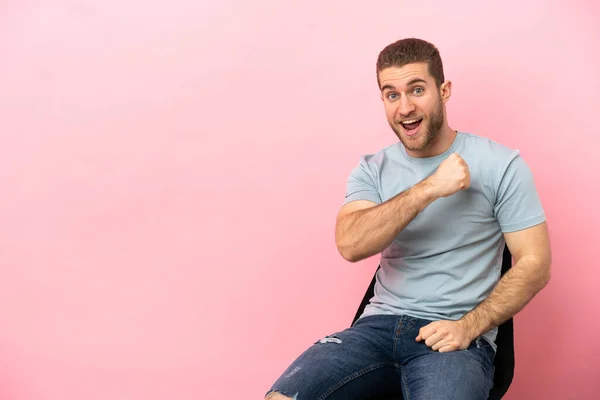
(277, 396)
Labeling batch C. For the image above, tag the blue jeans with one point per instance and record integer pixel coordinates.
(379, 358)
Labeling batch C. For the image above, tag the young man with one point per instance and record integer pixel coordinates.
(439, 207)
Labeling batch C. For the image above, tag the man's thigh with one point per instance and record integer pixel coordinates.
(353, 364)
(458, 375)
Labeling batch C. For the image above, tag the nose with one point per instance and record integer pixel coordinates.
(405, 107)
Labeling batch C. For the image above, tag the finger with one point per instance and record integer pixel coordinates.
(426, 331)
(446, 348)
(434, 339)
(421, 335)
(440, 344)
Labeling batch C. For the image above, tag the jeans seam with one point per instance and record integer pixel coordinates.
(355, 375)
(397, 331)
(405, 382)
(404, 324)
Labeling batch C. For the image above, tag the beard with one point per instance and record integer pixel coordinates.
(431, 124)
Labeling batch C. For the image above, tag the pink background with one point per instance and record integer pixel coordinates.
(151, 153)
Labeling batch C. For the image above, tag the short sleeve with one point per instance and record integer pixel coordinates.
(362, 183)
(518, 205)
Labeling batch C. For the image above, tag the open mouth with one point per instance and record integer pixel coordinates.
(411, 126)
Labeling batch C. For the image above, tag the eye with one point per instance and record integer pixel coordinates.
(392, 96)
(418, 90)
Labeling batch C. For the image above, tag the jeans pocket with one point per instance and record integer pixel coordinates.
(489, 349)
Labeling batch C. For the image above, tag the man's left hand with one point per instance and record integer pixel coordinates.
(446, 336)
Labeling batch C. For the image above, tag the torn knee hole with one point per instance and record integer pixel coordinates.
(330, 339)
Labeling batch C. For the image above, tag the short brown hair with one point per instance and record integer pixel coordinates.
(411, 50)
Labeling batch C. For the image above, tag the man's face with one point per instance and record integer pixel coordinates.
(413, 104)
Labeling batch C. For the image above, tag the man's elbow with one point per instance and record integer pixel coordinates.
(344, 246)
(547, 262)
(348, 250)
(546, 274)
(348, 254)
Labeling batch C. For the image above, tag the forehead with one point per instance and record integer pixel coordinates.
(401, 76)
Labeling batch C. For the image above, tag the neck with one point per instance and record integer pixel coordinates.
(438, 145)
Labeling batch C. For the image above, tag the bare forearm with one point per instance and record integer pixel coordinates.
(516, 288)
(367, 232)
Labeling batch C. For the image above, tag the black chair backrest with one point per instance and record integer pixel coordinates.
(504, 362)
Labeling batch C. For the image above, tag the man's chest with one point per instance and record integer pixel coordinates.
(469, 212)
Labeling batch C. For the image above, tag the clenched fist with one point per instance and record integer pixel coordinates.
(451, 176)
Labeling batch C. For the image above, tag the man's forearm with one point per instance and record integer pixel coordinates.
(516, 288)
(367, 232)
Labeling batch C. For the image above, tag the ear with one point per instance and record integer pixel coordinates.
(446, 91)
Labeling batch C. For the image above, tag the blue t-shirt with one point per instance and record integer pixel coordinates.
(448, 259)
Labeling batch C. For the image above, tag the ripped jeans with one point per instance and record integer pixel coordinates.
(379, 358)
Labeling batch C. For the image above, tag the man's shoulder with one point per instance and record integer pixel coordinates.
(473, 140)
(487, 149)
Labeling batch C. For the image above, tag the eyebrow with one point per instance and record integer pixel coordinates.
(412, 82)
